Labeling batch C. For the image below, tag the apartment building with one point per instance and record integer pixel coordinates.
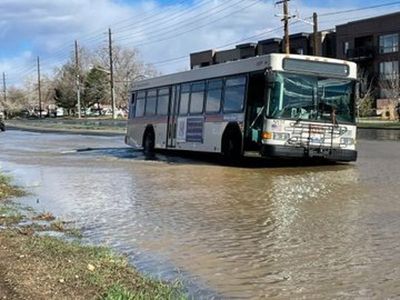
(373, 43)
(300, 43)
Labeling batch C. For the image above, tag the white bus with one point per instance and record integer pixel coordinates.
(276, 105)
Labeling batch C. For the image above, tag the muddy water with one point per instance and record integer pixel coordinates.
(246, 232)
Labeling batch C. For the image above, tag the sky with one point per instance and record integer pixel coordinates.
(164, 32)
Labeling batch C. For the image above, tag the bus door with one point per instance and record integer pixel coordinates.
(172, 117)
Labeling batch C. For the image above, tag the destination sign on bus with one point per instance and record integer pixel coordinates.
(331, 69)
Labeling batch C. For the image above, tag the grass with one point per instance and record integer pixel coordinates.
(42, 267)
(77, 271)
(42, 124)
(380, 125)
(7, 190)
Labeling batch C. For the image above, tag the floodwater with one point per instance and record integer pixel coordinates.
(229, 232)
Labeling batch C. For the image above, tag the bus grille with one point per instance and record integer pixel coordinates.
(315, 135)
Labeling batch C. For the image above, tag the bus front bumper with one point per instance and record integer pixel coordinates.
(301, 152)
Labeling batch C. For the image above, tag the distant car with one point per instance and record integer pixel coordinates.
(119, 113)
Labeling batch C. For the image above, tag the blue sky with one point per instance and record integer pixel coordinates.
(163, 30)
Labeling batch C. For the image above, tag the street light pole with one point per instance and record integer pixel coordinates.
(39, 89)
(111, 74)
(4, 88)
(285, 20)
(316, 35)
(78, 89)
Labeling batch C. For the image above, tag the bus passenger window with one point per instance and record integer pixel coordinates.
(151, 103)
(214, 95)
(234, 94)
(197, 98)
(162, 102)
(131, 106)
(184, 103)
(140, 104)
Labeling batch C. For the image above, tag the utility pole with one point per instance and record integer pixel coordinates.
(111, 73)
(78, 86)
(39, 90)
(316, 39)
(286, 19)
(4, 88)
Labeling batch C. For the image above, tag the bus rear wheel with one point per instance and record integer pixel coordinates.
(148, 143)
(231, 147)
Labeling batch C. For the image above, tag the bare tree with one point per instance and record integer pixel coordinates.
(127, 69)
(365, 99)
(16, 102)
(390, 89)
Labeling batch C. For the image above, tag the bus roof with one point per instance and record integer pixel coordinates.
(253, 64)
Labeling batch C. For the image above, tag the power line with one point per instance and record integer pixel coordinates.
(162, 18)
(181, 23)
(358, 9)
(147, 17)
(260, 35)
(61, 53)
(157, 39)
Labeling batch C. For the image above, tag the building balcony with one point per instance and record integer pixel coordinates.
(361, 54)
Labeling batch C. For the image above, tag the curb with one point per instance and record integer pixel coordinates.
(65, 131)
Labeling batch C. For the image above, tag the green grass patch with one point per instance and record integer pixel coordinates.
(7, 190)
(40, 266)
(379, 125)
(97, 270)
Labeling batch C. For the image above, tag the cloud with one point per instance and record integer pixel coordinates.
(160, 31)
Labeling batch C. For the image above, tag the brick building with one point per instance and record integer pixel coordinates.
(373, 44)
(300, 43)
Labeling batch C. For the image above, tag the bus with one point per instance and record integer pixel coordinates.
(272, 106)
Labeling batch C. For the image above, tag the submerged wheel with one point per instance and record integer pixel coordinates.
(148, 143)
(232, 146)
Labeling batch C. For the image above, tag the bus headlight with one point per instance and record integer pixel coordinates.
(266, 135)
(347, 141)
(281, 136)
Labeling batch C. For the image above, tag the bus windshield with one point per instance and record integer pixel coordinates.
(304, 97)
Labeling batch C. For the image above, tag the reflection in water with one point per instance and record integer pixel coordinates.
(327, 231)
(378, 134)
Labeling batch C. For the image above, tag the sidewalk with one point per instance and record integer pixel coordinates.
(70, 126)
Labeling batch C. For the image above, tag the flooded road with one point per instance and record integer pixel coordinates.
(270, 232)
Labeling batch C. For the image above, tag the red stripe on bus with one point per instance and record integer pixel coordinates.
(215, 118)
(149, 120)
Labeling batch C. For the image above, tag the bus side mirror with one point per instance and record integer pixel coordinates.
(271, 80)
(271, 84)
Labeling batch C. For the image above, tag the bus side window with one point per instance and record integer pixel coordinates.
(131, 106)
(197, 98)
(235, 88)
(214, 96)
(184, 102)
(162, 102)
(151, 103)
(140, 104)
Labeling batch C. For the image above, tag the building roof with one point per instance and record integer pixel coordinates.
(299, 35)
(373, 19)
(270, 41)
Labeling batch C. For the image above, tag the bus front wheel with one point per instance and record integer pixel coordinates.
(148, 143)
